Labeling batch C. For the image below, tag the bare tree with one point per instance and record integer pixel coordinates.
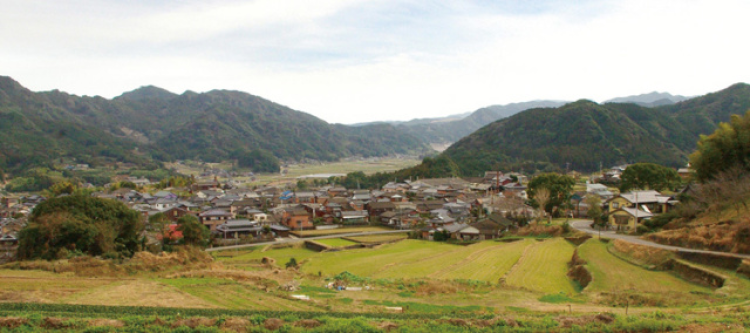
(542, 197)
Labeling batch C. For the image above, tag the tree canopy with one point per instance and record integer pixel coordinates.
(559, 187)
(727, 147)
(649, 176)
(193, 232)
(259, 160)
(78, 223)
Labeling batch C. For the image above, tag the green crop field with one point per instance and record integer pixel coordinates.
(435, 263)
(315, 233)
(613, 274)
(488, 265)
(543, 267)
(335, 242)
(369, 262)
(280, 255)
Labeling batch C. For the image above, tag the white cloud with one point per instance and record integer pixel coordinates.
(348, 61)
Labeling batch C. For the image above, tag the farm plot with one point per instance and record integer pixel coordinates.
(280, 255)
(45, 287)
(488, 265)
(375, 239)
(368, 262)
(335, 242)
(230, 294)
(436, 262)
(543, 267)
(329, 232)
(612, 274)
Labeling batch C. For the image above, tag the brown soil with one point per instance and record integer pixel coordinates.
(387, 326)
(711, 328)
(273, 324)
(307, 323)
(12, 322)
(194, 322)
(238, 325)
(568, 322)
(55, 323)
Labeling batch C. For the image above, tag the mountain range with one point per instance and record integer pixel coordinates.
(584, 135)
(151, 124)
(449, 129)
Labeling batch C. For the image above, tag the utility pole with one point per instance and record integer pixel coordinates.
(635, 225)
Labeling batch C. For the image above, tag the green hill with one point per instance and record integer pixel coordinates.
(209, 126)
(451, 130)
(36, 128)
(586, 134)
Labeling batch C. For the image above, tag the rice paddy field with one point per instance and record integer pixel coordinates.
(376, 239)
(335, 242)
(543, 267)
(612, 274)
(526, 275)
(329, 232)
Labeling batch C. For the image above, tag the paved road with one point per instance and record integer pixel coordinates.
(585, 226)
(295, 240)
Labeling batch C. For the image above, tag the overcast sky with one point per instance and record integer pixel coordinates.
(357, 60)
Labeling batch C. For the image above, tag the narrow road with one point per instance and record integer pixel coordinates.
(295, 240)
(585, 226)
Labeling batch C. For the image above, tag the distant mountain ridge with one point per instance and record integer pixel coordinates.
(652, 99)
(151, 124)
(452, 128)
(584, 135)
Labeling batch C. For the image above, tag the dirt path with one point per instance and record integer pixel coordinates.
(585, 226)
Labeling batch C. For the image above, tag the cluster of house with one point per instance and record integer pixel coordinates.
(465, 208)
(436, 204)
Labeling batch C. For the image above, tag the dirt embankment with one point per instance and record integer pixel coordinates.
(728, 236)
(577, 270)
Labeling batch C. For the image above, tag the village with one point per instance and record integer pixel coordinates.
(453, 209)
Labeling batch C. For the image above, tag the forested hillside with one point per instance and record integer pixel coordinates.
(152, 124)
(586, 134)
(449, 131)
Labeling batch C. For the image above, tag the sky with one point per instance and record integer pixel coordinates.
(359, 61)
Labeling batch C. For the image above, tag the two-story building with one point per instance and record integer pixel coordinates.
(628, 210)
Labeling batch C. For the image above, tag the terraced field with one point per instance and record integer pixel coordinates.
(378, 238)
(314, 233)
(335, 242)
(543, 267)
(437, 263)
(488, 265)
(371, 262)
(229, 294)
(280, 255)
(613, 274)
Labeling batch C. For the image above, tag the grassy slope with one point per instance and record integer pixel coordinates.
(612, 274)
(543, 267)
